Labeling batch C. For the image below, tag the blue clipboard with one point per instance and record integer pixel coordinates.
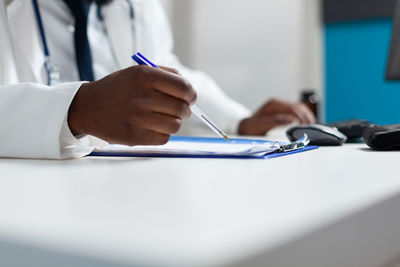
(208, 140)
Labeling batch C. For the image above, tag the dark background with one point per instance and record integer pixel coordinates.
(350, 10)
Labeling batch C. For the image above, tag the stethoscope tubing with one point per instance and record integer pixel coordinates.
(46, 50)
(101, 19)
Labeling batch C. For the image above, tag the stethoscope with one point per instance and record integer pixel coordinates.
(53, 73)
(100, 17)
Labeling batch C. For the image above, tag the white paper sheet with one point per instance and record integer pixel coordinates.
(194, 148)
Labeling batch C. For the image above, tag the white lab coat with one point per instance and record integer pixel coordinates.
(33, 116)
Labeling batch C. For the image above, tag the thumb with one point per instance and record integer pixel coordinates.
(261, 125)
(283, 119)
(275, 121)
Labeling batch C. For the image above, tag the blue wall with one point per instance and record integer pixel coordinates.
(356, 56)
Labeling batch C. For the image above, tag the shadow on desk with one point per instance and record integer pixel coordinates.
(73, 162)
(13, 254)
(368, 238)
(368, 149)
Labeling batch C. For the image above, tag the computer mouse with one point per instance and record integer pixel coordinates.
(320, 135)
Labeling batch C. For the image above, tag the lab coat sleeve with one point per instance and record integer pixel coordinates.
(225, 111)
(34, 124)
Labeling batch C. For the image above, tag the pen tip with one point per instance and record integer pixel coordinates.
(226, 138)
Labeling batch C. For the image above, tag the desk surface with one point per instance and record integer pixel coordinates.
(334, 206)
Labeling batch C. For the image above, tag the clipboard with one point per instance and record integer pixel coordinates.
(281, 149)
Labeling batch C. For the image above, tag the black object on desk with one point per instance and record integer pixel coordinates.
(319, 135)
(383, 138)
(353, 129)
(311, 100)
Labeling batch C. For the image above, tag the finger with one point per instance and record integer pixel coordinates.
(168, 105)
(274, 121)
(174, 85)
(161, 123)
(305, 113)
(278, 120)
(277, 106)
(299, 113)
(172, 70)
(151, 138)
(283, 119)
(308, 114)
(261, 125)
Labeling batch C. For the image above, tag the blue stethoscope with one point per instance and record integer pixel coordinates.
(53, 74)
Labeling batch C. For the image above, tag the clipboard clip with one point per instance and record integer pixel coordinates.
(296, 145)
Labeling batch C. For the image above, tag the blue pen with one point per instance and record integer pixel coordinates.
(142, 60)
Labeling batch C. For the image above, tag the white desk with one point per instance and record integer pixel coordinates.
(337, 206)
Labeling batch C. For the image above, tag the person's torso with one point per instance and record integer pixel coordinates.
(110, 52)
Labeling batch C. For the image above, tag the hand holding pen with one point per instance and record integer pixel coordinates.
(142, 60)
(134, 106)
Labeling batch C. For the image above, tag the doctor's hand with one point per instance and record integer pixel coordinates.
(136, 106)
(275, 113)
